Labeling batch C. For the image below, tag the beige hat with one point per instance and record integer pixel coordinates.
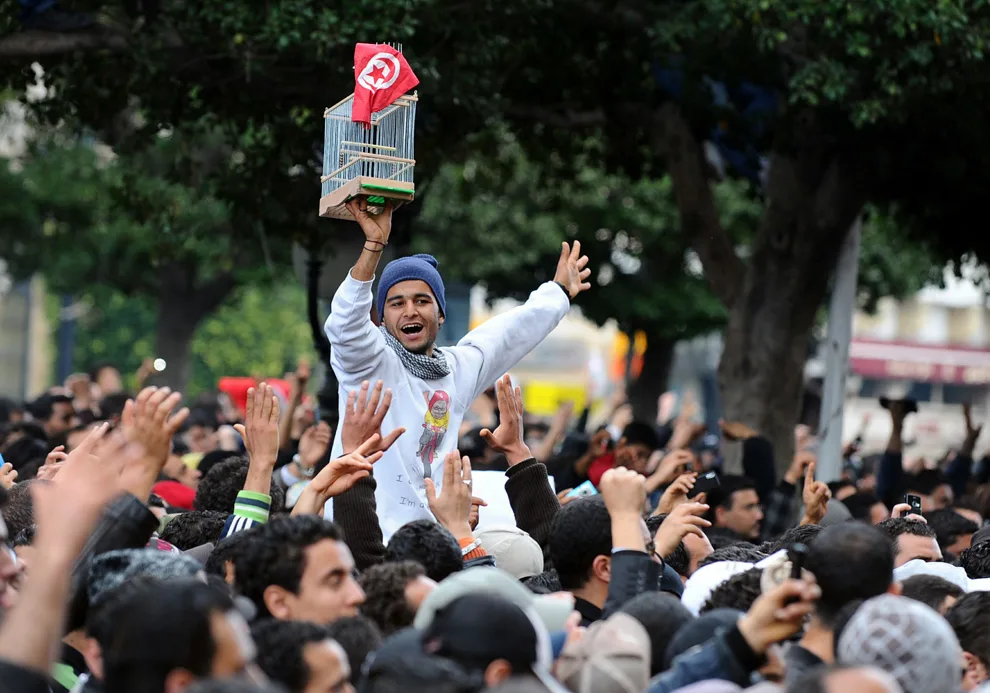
(613, 656)
(514, 550)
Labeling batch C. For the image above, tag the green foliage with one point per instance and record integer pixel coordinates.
(261, 331)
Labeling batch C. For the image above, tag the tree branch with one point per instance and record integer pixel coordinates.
(31, 45)
(699, 217)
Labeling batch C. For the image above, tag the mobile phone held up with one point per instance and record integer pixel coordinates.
(705, 483)
(585, 490)
(914, 502)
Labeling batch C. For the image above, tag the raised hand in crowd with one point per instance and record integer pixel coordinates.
(799, 465)
(339, 476)
(904, 510)
(677, 494)
(624, 493)
(8, 476)
(672, 465)
(816, 496)
(686, 518)
(507, 438)
(149, 421)
(779, 614)
(452, 507)
(363, 418)
(686, 429)
(299, 380)
(376, 227)
(572, 270)
(972, 432)
(260, 434)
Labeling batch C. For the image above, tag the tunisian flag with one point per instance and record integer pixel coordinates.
(381, 75)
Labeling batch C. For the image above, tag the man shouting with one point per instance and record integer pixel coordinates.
(431, 387)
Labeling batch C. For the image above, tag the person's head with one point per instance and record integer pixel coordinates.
(735, 505)
(411, 302)
(112, 406)
(975, 560)
(802, 534)
(107, 378)
(935, 592)
(970, 620)
(359, 637)
(952, 531)
(400, 665)
(911, 540)
(546, 582)
(188, 530)
(970, 508)
(429, 544)
(302, 657)
(55, 413)
(219, 488)
(634, 448)
(514, 550)
(581, 545)
(866, 507)
(844, 680)
(612, 656)
(850, 561)
(200, 431)
(489, 635)
(737, 553)
(662, 615)
(842, 489)
(195, 629)
(10, 571)
(18, 512)
(298, 569)
(738, 592)
(220, 562)
(907, 640)
(393, 593)
(176, 469)
(688, 554)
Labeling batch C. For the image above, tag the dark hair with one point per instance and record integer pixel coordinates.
(276, 555)
(639, 433)
(896, 526)
(429, 544)
(43, 407)
(218, 488)
(582, 531)
(679, 559)
(112, 406)
(213, 458)
(280, 646)
(836, 486)
(742, 553)
(738, 592)
(98, 367)
(226, 550)
(384, 588)
(860, 505)
(662, 615)
(949, 526)
(721, 495)
(930, 590)
(851, 561)
(18, 513)
(176, 616)
(924, 482)
(975, 560)
(723, 538)
(189, 530)
(25, 537)
(546, 582)
(802, 534)
(359, 637)
(970, 619)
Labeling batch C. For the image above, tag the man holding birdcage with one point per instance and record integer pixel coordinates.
(431, 387)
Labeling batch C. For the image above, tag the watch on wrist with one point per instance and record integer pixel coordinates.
(305, 472)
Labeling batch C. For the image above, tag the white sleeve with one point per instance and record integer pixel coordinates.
(357, 346)
(500, 343)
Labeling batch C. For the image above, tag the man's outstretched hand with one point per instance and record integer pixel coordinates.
(377, 227)
(572, 270)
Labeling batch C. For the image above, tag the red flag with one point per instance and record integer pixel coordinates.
(381, 75)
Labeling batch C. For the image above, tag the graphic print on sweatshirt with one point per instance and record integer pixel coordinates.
(435, 424)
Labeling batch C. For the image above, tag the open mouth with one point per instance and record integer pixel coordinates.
(412, 330)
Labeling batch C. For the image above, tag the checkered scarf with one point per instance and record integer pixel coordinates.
(425, 367)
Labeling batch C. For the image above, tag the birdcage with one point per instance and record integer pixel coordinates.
(376, 161)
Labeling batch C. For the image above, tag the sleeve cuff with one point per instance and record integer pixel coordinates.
(253, 506)
(740, 649)
(516, 469)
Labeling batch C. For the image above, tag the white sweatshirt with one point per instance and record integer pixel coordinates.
(430, 410)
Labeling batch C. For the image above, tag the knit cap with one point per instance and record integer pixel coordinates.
(422, 267)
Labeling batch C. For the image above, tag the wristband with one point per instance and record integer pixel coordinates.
(564, 289)
(470, 547)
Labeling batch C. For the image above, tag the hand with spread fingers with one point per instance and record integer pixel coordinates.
(676, 493)
(452, 507)
(508, 436)
(572, 270)
(339, 476)
(313, 446)
(687, 518)
(148, 420)
(363, 418)
(260, 428)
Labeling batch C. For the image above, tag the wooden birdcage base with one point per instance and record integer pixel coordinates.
(332, 205)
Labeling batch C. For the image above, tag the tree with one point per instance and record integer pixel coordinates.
(256, 332)
(849, 102)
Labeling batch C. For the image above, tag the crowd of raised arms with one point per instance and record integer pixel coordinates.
(157, 545)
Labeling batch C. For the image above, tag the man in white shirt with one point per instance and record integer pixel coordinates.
(432, 387)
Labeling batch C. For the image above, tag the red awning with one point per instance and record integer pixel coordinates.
(920, 362)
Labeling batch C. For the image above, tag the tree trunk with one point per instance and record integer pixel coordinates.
(183, 303)
(645, 391)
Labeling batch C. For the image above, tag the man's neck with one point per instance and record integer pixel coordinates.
(819, 641)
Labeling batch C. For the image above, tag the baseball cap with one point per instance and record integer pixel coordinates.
(514, 550)
(612, 657)
(401, 658)
(553, 610)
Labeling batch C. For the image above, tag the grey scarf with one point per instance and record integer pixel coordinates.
(422, 366)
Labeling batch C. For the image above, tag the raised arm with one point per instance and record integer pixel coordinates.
(500, 343)
(356, 345)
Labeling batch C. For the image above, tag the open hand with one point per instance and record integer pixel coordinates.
(676, 493)
(376, 228)
(260, 427)
(452, 507)
(685, 519)
(341, 474)
(778, 614)
(148, 420)
(363, 418)
(673, 465)
(508, 437)
(572, 271)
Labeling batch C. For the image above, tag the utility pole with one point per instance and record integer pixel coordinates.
(841, 309)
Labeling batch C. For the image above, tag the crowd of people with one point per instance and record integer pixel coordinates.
(156, 547)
